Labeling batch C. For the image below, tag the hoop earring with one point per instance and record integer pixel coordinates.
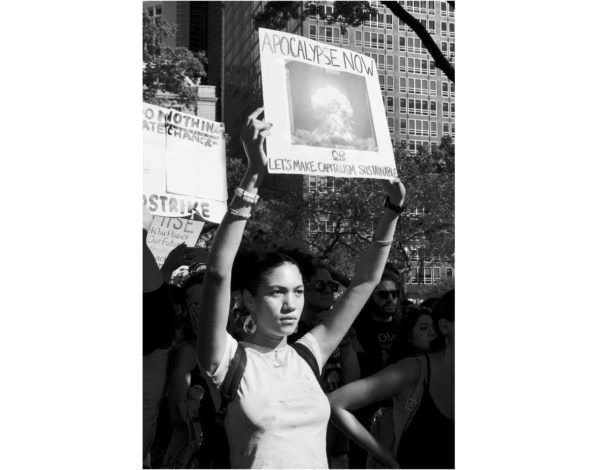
(249, 326)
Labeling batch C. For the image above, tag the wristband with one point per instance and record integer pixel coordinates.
(237, 213)
(246, 196)
(391, 206)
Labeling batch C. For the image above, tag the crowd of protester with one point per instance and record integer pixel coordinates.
(263, 360)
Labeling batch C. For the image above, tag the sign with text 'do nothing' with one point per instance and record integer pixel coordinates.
(184, 164)
(326, 108)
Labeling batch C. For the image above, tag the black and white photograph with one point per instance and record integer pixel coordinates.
(329, 108)
(312, 324)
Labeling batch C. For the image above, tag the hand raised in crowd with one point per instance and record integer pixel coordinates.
(395, 190)
(181, 255)
(253, 137)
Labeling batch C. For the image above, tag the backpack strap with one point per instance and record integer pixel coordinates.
(231, 383)
(410, 406)
(309, 357)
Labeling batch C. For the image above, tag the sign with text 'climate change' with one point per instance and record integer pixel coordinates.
(326, 108)
(184, 164)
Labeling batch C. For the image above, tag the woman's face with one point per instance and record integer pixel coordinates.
(423, 334)
(279, 301)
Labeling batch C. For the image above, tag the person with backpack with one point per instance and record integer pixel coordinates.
(277, 415)
(424, 423)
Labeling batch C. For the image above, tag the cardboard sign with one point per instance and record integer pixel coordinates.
(184, 164)
(326, 108)
(166, 233)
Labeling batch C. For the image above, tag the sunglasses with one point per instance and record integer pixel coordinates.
(384, 294)
(320, 286)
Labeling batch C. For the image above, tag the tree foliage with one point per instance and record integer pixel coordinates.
(349, 210)
(276, 15)
(170, 70)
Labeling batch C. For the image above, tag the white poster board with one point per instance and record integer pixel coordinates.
(166, 233)
(184, 164)
(326, 108)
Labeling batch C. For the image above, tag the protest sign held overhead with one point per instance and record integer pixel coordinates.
(326, 108)
(166, 233)
(184, 164)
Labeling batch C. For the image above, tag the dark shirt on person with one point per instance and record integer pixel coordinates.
(159, 320)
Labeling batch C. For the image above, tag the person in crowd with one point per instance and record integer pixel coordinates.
(158, 333)
(342, 366)
(279, 416)
(182, 360)
(428, 441)
(417, 332)
(377, 327)
(378, 332)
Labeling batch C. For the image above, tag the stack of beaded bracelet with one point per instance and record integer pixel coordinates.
(245, 196)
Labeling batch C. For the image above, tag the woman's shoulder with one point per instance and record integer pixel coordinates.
(409, 369)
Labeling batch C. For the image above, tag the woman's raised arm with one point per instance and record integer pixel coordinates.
(377, 387)
(212, 320)
(366, 277)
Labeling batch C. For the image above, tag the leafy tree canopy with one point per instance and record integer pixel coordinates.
(171, 70)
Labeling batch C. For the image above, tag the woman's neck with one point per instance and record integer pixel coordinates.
(266, 341)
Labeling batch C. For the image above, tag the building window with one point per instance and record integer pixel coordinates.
(390, 83)
(445, 89)
(449, 273)
(437, 276)
(452, 51)
(382, 82)
(312, 32)
(433, 130)
(451, 29)
(411, 106)
(390, 62)
(402, 105)
(403, 84)
(433, 108)
(367, 39)
(432, 88)
(445, 128)
(402, 64)
(431, 27)
(390, 104)
(357, 38)
(444, 28)
(401, 43)
(403, 126)
(312, 184)
(445, 47)
(427, 275)
(444, 8)
(389, 21)
(391, 125)
(445, 112)
(380, 61)
(431, 8)
(452, 109)
(452, 89)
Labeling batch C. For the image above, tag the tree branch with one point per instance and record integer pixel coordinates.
(441, 62)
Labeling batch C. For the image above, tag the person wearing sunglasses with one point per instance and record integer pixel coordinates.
(378, 332)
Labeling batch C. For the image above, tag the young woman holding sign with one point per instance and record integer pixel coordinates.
(278, 417)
